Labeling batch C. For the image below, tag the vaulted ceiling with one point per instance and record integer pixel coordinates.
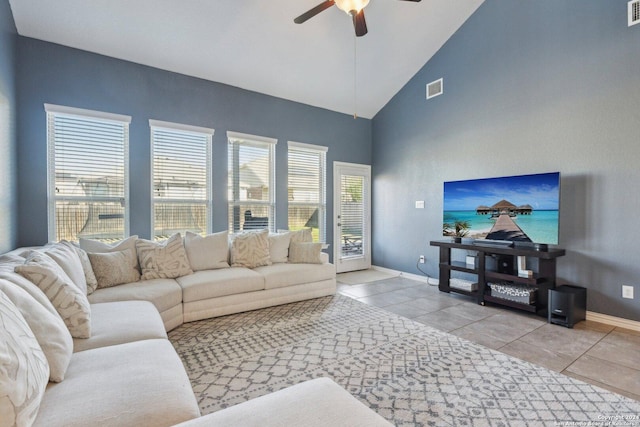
(255, 45)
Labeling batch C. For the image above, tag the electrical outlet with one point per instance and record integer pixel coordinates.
(421, 259)
(627, 291)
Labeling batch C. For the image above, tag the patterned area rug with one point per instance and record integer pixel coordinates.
(409, 373)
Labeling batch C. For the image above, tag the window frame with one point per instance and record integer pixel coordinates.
(321, 151)
(187, 129)
(52, 111)
(234, 138)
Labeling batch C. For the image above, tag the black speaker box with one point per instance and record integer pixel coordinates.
(567, 305)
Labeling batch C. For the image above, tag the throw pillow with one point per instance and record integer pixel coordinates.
(300, 236)
(166, 260)
(305, 253)
(279, 247)
(69, 301)
(96, 246)
(250, 249)
(49, 329)
(209, 252)
(65, 255)
(24, 371)
(114, 268)
(89, 275)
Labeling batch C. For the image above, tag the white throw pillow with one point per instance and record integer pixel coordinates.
(209, 252)
(96, 246)
(65, 255)
(70, 302)
(279, 247)
(166, 260)
(114, 268)
(49, 329)
(24, 371)
(250, 249)
(305, 253)
(89, 275)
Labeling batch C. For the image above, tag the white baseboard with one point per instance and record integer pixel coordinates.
(591, 315)
(419, 278)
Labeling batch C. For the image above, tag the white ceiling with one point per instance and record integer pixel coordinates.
(254, 44)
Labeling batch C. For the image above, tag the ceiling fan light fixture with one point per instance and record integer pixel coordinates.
(349, 6)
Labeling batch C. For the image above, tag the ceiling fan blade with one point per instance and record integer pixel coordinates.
(313, 12)
(359, 23)
(415, 1)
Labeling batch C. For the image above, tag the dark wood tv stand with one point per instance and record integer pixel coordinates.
(544, 277)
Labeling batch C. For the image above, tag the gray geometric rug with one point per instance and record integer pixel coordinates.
(409, 373)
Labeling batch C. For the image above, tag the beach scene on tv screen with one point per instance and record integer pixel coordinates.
(521, 208)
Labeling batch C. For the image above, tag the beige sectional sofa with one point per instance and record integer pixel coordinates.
(127, 372)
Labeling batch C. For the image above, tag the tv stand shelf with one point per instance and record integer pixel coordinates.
(544, 277)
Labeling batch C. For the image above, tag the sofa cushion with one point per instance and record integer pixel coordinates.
(114, 268)
(279, 247)
(282, 275)
(305, 253)
(319, 402)
(132, 384)
(207, 284)
(47, 326)
(24, 371)
(69, 301)
(209, 252)
(121, 322)
(65, 255)
(163, 293)
(163, 260)
(250, 249)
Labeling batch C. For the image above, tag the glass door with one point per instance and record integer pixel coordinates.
(352, 206)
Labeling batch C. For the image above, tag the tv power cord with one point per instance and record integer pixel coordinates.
(424, 273)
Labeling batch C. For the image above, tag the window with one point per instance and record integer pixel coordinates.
(87, 170)
(251, 189)
(181, 171)
(307, 188)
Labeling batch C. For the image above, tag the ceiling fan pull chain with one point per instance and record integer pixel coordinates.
(355, 79)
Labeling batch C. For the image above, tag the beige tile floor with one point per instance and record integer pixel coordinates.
(593, 352)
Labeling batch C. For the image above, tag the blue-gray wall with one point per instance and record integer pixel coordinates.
(50, 73)
(529, 87)
(8, 140)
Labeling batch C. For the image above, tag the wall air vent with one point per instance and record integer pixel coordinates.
(633, 8)
(436, 88)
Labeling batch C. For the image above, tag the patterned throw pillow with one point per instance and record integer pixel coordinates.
(305, 253)
(47, 326)
(24, 371)
(250, 249)
(96, 246)
(114, 268)
(166, 260)
(69, 301)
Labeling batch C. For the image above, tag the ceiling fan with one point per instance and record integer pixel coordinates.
(355, 8)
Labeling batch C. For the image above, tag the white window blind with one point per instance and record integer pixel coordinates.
(181, 171)
(87, 165)
(307, 188)
(251, 189)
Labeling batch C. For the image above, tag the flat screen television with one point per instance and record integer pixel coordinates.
(524, 208)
